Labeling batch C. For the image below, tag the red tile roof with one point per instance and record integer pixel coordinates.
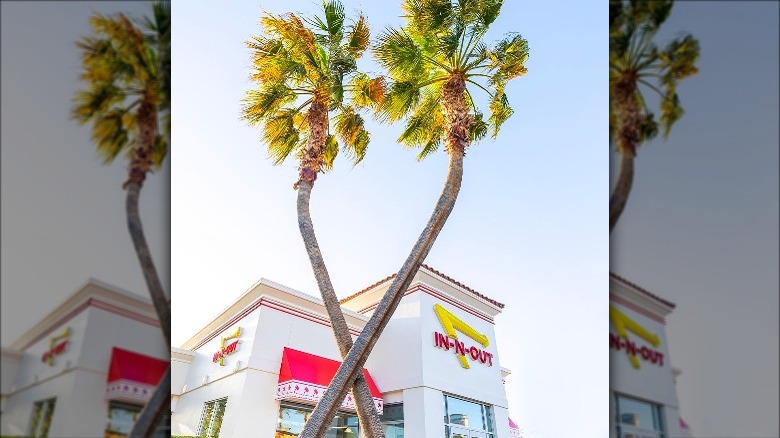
(642, 290)
(434, 271)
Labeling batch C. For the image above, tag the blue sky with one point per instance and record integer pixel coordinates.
(529, 228)
(701, 225)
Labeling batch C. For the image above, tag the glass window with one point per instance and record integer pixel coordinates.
(393, 421)
(467, 419)
(41, 417)
(122, 416)
(637, 418)
(292, 417)
(211, 419)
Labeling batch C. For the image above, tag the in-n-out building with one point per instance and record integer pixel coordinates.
(261, 365)
(643, 396)
(86, 369)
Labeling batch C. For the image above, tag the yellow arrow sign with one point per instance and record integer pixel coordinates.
(623, 324)
(450, 323)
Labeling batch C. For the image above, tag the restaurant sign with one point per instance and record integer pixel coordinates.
(56, 348)
(225, 350)
(623, 324)
(449, 339)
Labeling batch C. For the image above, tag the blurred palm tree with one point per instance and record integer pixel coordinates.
(435, 62)
(636, 63)
(307, 77)
(126, 70)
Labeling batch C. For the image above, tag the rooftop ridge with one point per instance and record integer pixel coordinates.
(434, 271)
(642, 290)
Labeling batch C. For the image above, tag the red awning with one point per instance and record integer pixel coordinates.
(514, 429)
(133, 376)
(304, 376)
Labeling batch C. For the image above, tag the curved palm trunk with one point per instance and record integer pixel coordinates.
(155, 409)
(370, 423)
(139, 166)
(458, 122)
(619, 197)
(310, 165)
(160, 301)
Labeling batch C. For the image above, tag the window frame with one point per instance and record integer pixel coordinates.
(395, 422)
(211, 412)
(488, 420)
(284, 404)
(41, 416)
(659, 422)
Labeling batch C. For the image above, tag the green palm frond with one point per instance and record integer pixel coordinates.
(262, 103)
(637, 64)
(281, 135)
(399, 54)
(442, 40)
(124, 65)
(295, 66)
(367, 92)
(330, 152)
(358, 38)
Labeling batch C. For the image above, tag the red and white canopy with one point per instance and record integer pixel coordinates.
(514, 429)
(133, 377)
(304, 377)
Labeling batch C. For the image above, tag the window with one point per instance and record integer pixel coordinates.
(638, 419)
(41, 417)
(467, 419)
(211, 421)
(293, 416)
(122, 416)
(393, 421)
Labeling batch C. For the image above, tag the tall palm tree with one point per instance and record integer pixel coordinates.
(127, 76)
(636, 63)
(305, 75)
(435, 62)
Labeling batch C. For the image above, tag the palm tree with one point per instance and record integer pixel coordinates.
(303, 76)
(635, 62)
(435, 61)
(127, 76)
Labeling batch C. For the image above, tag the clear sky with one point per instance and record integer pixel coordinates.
(63, 215)
(529, 228)
(701, 226)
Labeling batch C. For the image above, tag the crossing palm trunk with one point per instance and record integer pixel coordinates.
(370, 423)
(310, 167)
(458, 121)
(619, 197)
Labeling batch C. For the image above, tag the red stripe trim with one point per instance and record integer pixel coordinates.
(264, 301)
(420, 287)
(99, 305)
(636, 308)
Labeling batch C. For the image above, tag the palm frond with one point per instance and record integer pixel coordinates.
(260, 104)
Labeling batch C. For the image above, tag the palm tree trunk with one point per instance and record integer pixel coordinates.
(139, 166)
(319, 421)
(159, 299)
(370, 423)
(155, 409)
(458, 121)
(625, 179)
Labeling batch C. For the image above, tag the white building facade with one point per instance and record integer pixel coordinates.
(86, 369)
(643, 397)
(259, 368)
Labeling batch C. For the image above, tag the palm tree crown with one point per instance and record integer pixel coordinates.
(303, 75)
(435, 59)
(127, 72)
(635, 62)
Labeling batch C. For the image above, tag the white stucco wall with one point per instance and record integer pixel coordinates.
(78, 376)
(650, 382)
(405, 365)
